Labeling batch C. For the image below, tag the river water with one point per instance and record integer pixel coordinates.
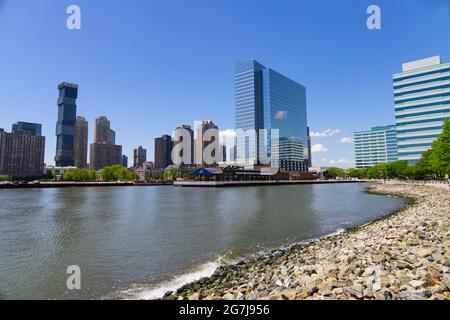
(139, 242)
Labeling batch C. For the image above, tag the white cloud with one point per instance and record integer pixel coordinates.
(318, 148)
(281, 115)
(325, 133)
(346, 140)
(342, 163)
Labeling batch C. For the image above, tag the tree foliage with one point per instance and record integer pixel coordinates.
(334, 173)
(117, 173)
(440, 152)
(172, 174)
(79, 175)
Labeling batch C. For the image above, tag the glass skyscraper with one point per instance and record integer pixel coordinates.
(34, 128)
(65, 127)
(375, 146)
(266, 99)
(422, 102)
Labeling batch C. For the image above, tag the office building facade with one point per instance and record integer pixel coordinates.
(65, 127)
(21, 154)
(266, 99)
(375, 146)
(81, 143)
(163, 152)
(422, 103)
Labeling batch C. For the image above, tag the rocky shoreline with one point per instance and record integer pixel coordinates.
(405, 255)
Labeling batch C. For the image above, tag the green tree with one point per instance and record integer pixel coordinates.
(378, 171)
(4, 178)
(334, 173)
(422, 169)
(173, 173)
(117, 173)
(79, 175)
(440, 152)
(398, 169)
(48, 176)
(357, 173)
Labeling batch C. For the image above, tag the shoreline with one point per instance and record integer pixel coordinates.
(377, 260)
(189, 184)
(71, 184)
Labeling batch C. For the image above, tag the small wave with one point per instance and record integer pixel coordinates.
(158, 291)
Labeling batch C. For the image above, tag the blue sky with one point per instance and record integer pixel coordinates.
(151, 65)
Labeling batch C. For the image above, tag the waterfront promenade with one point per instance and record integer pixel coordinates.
(403, 256)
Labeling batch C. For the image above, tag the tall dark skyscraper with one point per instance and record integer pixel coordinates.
(65, 127)
(81, 143)
(34, 128)
(139, 157)
(163, 152)
(124, 161)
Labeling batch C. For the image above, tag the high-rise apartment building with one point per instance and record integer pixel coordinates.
(375, 146)
(139, 157)
(21, 154)
(103, 152)
(65, 127)
(266, 99)
(422, 102)
(102, 130)
(163, 152)
(81, 142)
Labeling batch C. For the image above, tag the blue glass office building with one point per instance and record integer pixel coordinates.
(422, 103)
(266, 99)
(34, 128)
(65, 127)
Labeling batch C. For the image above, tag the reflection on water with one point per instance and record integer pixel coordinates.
(140, 237)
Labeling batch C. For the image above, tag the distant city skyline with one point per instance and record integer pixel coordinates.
(163, 66)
